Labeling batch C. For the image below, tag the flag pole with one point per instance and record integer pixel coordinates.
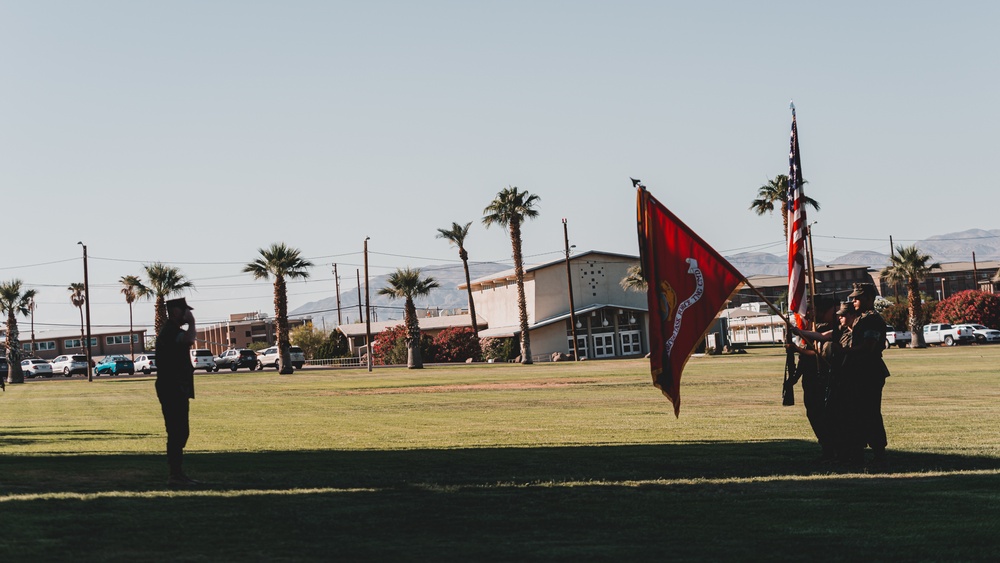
(812, 271)
(773, 307)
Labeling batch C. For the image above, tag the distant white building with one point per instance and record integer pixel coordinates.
(611, 322)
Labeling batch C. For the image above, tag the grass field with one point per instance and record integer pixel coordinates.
(556, 462)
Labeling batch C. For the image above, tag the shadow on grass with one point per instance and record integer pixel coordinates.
(394, 469)
(27, 436)
(602, 503)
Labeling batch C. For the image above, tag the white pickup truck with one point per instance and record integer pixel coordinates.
(898, 338)
(947, 334)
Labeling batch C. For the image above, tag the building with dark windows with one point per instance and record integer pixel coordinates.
(51, 343)
(610, 321)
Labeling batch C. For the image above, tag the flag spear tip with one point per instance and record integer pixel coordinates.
(791, 105)
(636, 183)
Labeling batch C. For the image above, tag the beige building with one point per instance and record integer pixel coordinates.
(610, 321)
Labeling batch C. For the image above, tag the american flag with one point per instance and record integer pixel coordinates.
(797, 301)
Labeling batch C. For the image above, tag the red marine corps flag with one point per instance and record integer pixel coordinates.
(688, 282)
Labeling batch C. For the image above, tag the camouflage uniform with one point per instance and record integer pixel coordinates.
(865, 374)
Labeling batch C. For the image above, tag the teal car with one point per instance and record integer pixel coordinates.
(115, 365)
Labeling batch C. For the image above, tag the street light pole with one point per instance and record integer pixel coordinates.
(336, 280)
(32, 307)
(942, 289)
(572, 307)
(368, 316)
(86, 304)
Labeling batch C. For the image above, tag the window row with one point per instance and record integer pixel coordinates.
(604, 344)
(120, 339)
(46, 345)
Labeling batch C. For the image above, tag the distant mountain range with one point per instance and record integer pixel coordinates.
(445, 298)
(952, 247)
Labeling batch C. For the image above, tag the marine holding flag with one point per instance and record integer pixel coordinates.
(688, 283)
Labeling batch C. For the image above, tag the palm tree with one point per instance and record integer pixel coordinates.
(130, 285)
(281, 262)
(776, 190)
(78, 297)
(14, 300)
(510, 208)
(909, 266)
(633, 280)
(164, 281)
(406, 284)
(456, 236)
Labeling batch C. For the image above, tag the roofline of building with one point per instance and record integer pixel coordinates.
(509, 273)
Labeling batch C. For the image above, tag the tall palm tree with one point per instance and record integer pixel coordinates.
(456, 236)
(633, 280)
(909, 266)
(406, 284)
(510, 208)
(281, 262)
(78, 297)
(776, 190)
(14, 300)
(130, 285)
(163, 281)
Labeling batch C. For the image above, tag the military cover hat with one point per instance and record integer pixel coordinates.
(862, 290)
(845, 309)
(179, 302)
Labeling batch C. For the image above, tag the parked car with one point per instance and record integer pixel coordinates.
(70, 364)
(36, 367)
(943, 333)
(899, 338)
(202, 358)
(114, 365)
(235, 359)
(983, 334)
(269, 357)
(146, 363)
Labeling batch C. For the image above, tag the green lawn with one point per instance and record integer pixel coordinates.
(502, 463)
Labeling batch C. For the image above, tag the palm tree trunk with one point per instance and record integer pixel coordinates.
(468, 286)
(916, 330)
(281, 322)
(161, 313)
(14, 372)
(784, 218)
(414, 359)
(131, 343)
(522, 306)
(82, 336)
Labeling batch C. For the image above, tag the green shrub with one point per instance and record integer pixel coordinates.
(499, 349)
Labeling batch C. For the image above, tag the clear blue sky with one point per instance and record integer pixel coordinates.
(195, 132)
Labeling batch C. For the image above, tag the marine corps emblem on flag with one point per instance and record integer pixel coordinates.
(687, 281)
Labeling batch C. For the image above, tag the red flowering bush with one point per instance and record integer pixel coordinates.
(969, 307)
(457, 345)
(389, 347)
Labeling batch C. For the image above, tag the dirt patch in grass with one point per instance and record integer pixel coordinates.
(498, 386)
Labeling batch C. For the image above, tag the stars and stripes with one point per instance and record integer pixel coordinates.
(797, 301)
